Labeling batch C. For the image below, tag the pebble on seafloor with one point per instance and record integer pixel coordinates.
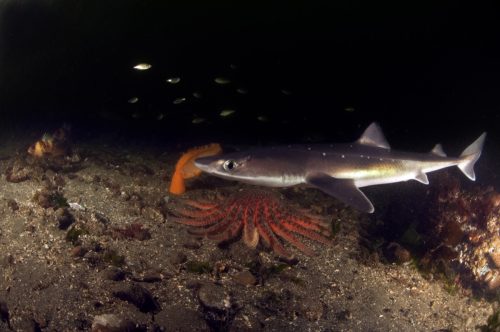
(138, 296)
(111, 323)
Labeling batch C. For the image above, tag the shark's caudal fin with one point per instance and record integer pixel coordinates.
(470, 155)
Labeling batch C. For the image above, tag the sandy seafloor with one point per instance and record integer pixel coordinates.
(56, 279)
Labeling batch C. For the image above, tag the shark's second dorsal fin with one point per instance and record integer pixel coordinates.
(373, 136)
(438, 151)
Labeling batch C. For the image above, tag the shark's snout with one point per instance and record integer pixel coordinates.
(205, 163)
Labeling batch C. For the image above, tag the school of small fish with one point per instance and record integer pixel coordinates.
(179, 84)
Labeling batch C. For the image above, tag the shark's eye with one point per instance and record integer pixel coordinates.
(229, 165)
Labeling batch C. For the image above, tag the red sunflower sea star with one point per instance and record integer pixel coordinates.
(255, 214)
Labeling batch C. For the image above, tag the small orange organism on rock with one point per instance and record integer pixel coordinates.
(185, 168)
(55, 145)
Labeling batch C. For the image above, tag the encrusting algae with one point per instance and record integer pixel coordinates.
(185, 168)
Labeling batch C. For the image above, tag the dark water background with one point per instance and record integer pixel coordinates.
(427, 73)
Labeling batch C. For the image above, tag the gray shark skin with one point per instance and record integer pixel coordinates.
(338, 170)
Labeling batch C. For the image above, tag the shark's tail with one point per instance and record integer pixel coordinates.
(469, 157)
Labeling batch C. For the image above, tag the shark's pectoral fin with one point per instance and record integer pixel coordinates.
(342, 189)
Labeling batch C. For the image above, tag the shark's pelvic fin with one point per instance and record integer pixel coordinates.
(438, 151)
(422, 178)
(373, 136)
(470, 155)
(342, 189)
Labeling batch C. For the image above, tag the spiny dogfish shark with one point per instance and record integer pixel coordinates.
(339, 170)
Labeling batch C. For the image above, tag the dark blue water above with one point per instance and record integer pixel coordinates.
(297, 72)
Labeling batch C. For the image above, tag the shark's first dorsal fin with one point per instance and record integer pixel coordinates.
(373, 136)
(438, 151)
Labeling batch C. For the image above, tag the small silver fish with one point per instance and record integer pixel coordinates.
(222, 80)
(242, 91)
(227, 112)
(178, 101)
(133, 100)
(173, 80)
(142, 66)
(198, 120)
(197, 95)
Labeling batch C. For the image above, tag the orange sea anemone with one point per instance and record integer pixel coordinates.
(185, 168)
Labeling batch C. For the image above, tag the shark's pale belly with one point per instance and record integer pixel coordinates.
(392, 171)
